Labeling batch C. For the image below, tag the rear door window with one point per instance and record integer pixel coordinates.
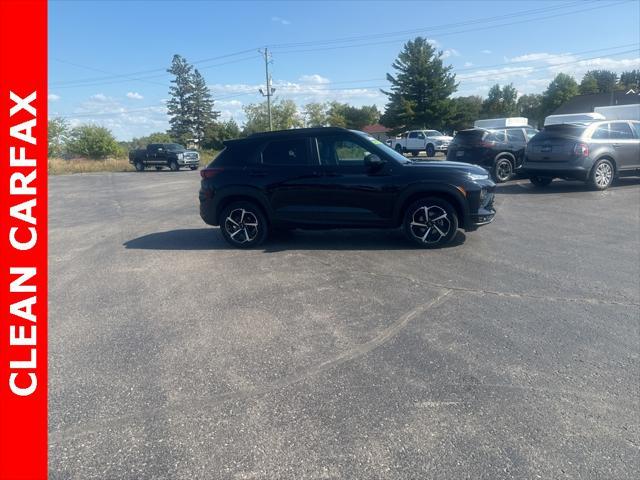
(636, 127)
(497, 136)
(287, 153)
(601, 132)
(620, 131)
(515, 135)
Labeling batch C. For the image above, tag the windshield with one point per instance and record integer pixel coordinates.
(175, 147)
(434, 133)
(386, 148)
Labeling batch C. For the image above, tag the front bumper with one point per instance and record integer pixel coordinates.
(189, 162)
(442, 147)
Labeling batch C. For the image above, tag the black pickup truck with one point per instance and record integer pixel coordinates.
(160, 155)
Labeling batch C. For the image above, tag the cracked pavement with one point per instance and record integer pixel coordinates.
(343, 354)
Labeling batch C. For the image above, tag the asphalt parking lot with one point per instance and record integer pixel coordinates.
(341, 354)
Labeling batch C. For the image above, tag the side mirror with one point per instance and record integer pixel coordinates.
(373, 161)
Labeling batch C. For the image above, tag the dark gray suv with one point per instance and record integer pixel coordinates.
(595, 152)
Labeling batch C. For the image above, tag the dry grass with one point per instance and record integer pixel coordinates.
(60, 166)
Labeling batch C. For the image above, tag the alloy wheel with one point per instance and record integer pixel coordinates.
(242, 225)
(603, 175)
(430, 224)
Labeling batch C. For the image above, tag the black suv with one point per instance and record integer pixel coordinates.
(499, 150)
(337, 178)
(595, 152)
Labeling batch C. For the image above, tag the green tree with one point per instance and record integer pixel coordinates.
(420, 89)
(630, 80)
(179, 105)
(57, 134)
(500, 102)
(315, 114)
(201, 106)
(348, 116)
(284, 114)
(215, 133)
(561, 89)
(466, 110)
(156, 137)
(92, 141)
(529, 106)
(598, 81)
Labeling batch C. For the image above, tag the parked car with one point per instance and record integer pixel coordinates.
(161, 155)
(338, 178)
(594, 152)
(416, 141)
(499, 150)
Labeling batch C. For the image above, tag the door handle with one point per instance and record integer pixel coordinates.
(615, 145)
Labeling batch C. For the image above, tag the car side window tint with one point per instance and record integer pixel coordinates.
(531, 132)
(497, 136)
(420, 135)
(286, 152)
(515, 135)
(341, 150)
(601, 132)
(413, 135)
(636, 127)
(620, 131)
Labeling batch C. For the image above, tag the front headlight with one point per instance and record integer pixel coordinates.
(479, 176)
(180, 156)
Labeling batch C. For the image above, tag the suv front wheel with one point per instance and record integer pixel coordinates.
(243, 225)
(430, 222)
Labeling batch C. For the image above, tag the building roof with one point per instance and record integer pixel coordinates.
(586, 103)
(375, 128)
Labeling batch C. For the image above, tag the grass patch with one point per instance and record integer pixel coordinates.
(60, 166)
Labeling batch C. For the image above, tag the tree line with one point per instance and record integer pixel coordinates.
(420, 96)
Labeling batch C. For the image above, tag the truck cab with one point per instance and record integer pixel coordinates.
(416, 141)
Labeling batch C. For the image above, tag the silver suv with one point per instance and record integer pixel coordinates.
(595, 152)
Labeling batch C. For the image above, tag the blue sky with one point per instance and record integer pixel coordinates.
(107, 59)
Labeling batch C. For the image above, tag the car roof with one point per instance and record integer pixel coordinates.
(497, 128)
(294, 132)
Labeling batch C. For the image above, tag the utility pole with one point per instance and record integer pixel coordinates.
(270, 91)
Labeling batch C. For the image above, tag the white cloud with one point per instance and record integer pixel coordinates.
(315, 78)
(468, 64)
(134, 96)
(52, 97)
(100, 97)
(450, 52)
(280, 20)
(487, 52)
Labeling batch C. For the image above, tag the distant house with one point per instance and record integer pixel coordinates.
(377, 131)
(586, 103)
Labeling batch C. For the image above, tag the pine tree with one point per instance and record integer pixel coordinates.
(421, 88)
(179, 105)
(201, 106)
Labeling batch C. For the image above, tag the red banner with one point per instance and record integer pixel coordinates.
(23, 239)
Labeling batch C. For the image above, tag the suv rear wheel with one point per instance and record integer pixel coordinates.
(503, 170)
(430, 222)
(243, 225)
(601, 176)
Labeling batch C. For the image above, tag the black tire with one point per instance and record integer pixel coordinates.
(193, 167)
(243, 225)
(541, 182)
(431, 151)
(415, 153)
(435, 214)
(139, 166)
(602, 175)
(173, 165)
(502, 170)
(398, 148)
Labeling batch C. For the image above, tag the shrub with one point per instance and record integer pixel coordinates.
(92, 141)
